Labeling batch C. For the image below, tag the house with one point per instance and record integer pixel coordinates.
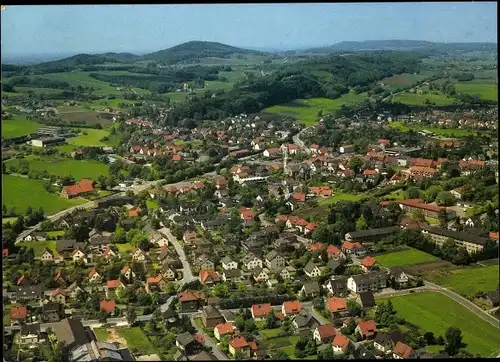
(223, 329)
(18, 315)
(211, 317)
(36, 236)
(312, 270)
(109, 253)
(47, 255)
(107, 305)
(340, 344)
(78, 254)
(128, 273)
(304, 321)
(337, 306)
(59, 296)
(228, 263)
(73, 290)
(100, 351)
(366, 329)
(274, 261)
(112, 287)
(239, 344)
(94, 276)
(191, 300)
(310, 289)
(139, 255)
(203, 262)
(231, 275)
(156, 283)
(324, 333)
(260, 311)
(209, 276)
(271, 152)
(286, 273)
(60, 279)
(334, 253)
(366, 299)
(187, 344)
(260, 275)
(30, 335)
(83, 188)
(368, 263)
(250, 262)
(370, 235)
(352, 248)
(471, 242)
(385, 342)
(337, 287)
(346, 149)
(399, 277)
(71, 333)
(167, 271)
(403, 351)
(51, 312)
(371, 281)
(291, 307)
(27, 293)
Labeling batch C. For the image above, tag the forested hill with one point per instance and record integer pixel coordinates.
(413, 45)
(197, 50)
(328, 77)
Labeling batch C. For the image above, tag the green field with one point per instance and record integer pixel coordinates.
(124, 248)
(38, 246)
(306, 110)
(64, 166)
(466, 281)
(136, 339)
(15, 190)
(152, 205)
(401, 80)
(419, 99)
(448, 132)
(18, 126)
(404, 258)
(82, 79)
(341, 197)
(101, 334)
(435, 312)
(92, 138)
(486, 91)
(270, 333)
(5, 220)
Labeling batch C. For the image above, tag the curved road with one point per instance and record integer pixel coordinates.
(187, 275)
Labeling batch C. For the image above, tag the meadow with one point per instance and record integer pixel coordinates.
(466, 281)
(88, 117)
(486, 91)
(92, 138)
(341, 197)
(38, 246)
(448, 132)
(18, 126)
(402, 80)
(64, 166)
(306, 110)
(133, 336)
(16, 188)
(404, 258)
(419, 99)
(434, 312)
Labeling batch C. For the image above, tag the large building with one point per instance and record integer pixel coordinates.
(472, 243)
(84, 187)
(413, 205)
(370, 235)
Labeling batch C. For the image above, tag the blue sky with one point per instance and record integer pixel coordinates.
(144, 28)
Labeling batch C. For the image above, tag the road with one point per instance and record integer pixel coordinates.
(298, 141)
(263, 221)
(187, 275)
(208, 342)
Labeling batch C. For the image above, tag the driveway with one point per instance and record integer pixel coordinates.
(187, 275)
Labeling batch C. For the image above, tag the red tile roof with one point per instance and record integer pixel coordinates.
(316, 246)
(341, 341)
(369, 172)
(418, 203)
(125, 269)
(108, 305)
(261, 310)
(368, 262)
(5, 252)
(292, 306)
(493, 235)
(205, 274)
(134, 212)
(92, 272)
(153, 280)
(18, 312)
(336, 304)
(221, 181)
(333, 251)
(312, 226)
(200, 338)
(113, 283)
(299, 197)
(223, 329)
(57, 292)
(85, 185)
(349, 245)
(191, 295)
(176, 158)
(326, 331)
(402, 350)
(368, 328)
(238, 342)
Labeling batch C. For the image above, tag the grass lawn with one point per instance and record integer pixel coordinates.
(18, 126)
(152, 205)
(466, 281)
(395, 195)
(92, 138)
(54, 234)
(101, 334)
(6, 318)
(65, 166)
(419, 99)
(306, 110)
(83, 79)
(432, 221)
(136, 339)
(270, 333)
(66, 148)
(341, 196)
(403, 258)
(449, 132)
(5, 220)
(435, 312)
(15, 190)
(38, 246)
(124, 248)
(486, 91)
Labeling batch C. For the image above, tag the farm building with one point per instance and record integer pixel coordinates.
(84, 187)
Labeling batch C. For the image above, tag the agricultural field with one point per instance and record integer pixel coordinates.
(486, 91)
(92, 138)
(64, 166)
(90, 118)
(466, 281)
(306, 110)
(15, 191)
(419, 99)
(448, 132)
(18, 126)
(404, 258)
(436, 312)
(402, 80)
(341, 197)
(38, 246)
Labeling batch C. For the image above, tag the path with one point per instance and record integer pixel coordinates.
(216, 352)
(187, 275)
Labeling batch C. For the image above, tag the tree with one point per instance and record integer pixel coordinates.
(102, 316)
(356, 164)
(445, 198)
(361, 223)
(413, 193)
(453, 338)
(249, 325)
(429, 338)
(271, 321)
(443, 218)
(131, 315)
(280, 355)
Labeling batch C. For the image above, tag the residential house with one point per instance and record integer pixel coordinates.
(403, 351)
(250, 262)
(228, 263)
(368, 263)
(312, 270)
(27, 293)
(191, 300)
(94, 276)
(260, 275)
(211, 317)
(291, 307)
(366, 329)
(337, 287)
(231, 275)
(324, 333)
(18, 315)
(156, 283)
(203, 262)
(353, 248)
(47, 255)
(209, 276)
(108, 306)
(36, 236)
(385, 342)
(399, 277)
(139, 255)
(239, 344)
(59, 296)
(71, 333)
(51, 312)
(30, 335)
(334, 253)
(366, 299)
(370, 235)
(127, 273)
(310, 289)
(304, 321)
(340, 344)
(274, 261)
(112, 287)
(260, 311)
(187, 344)
(223, 329)
(337, 307)
(372, 281)
(167, 271)
(79, 255)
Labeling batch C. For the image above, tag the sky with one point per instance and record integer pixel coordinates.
(72, 29)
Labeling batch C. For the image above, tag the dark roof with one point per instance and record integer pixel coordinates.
(212, 312)
(383, 338)
(369, 276)
(185, 339)
(367, 299)
(51, 307)
(28, 291)
(305, 319)
(373, 232)
(30, 328)
(68, 244)
(203, 356)
(71, 332)
(232, 273)
(312, 287)
(458, 235)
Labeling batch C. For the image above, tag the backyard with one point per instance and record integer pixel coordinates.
(403, 258)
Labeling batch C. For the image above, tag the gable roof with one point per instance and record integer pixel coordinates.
(326, 331)
(107, 305)
(191, 295)
(261, 310)
(292, 306)
(335, 304)
(402, 350)
(341, 341)
(367, 328)
(71, 332)
(18, 312)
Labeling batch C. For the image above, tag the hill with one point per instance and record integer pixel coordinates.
(413, 45)
(196, 50)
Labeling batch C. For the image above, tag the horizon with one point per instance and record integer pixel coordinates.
(53, 30)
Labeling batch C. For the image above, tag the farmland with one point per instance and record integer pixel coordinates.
(448, 132)
(306, 110)
(403, 258)
(402, 80)
(64, 166)
(341, 197)
(92, 138)
(486, 91)
(466, 281)
(435, 313)
(15, 191)
(18, 126)
(419, 99)
(87, 117)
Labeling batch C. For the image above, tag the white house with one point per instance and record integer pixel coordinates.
(251, 262)
(228, 263)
